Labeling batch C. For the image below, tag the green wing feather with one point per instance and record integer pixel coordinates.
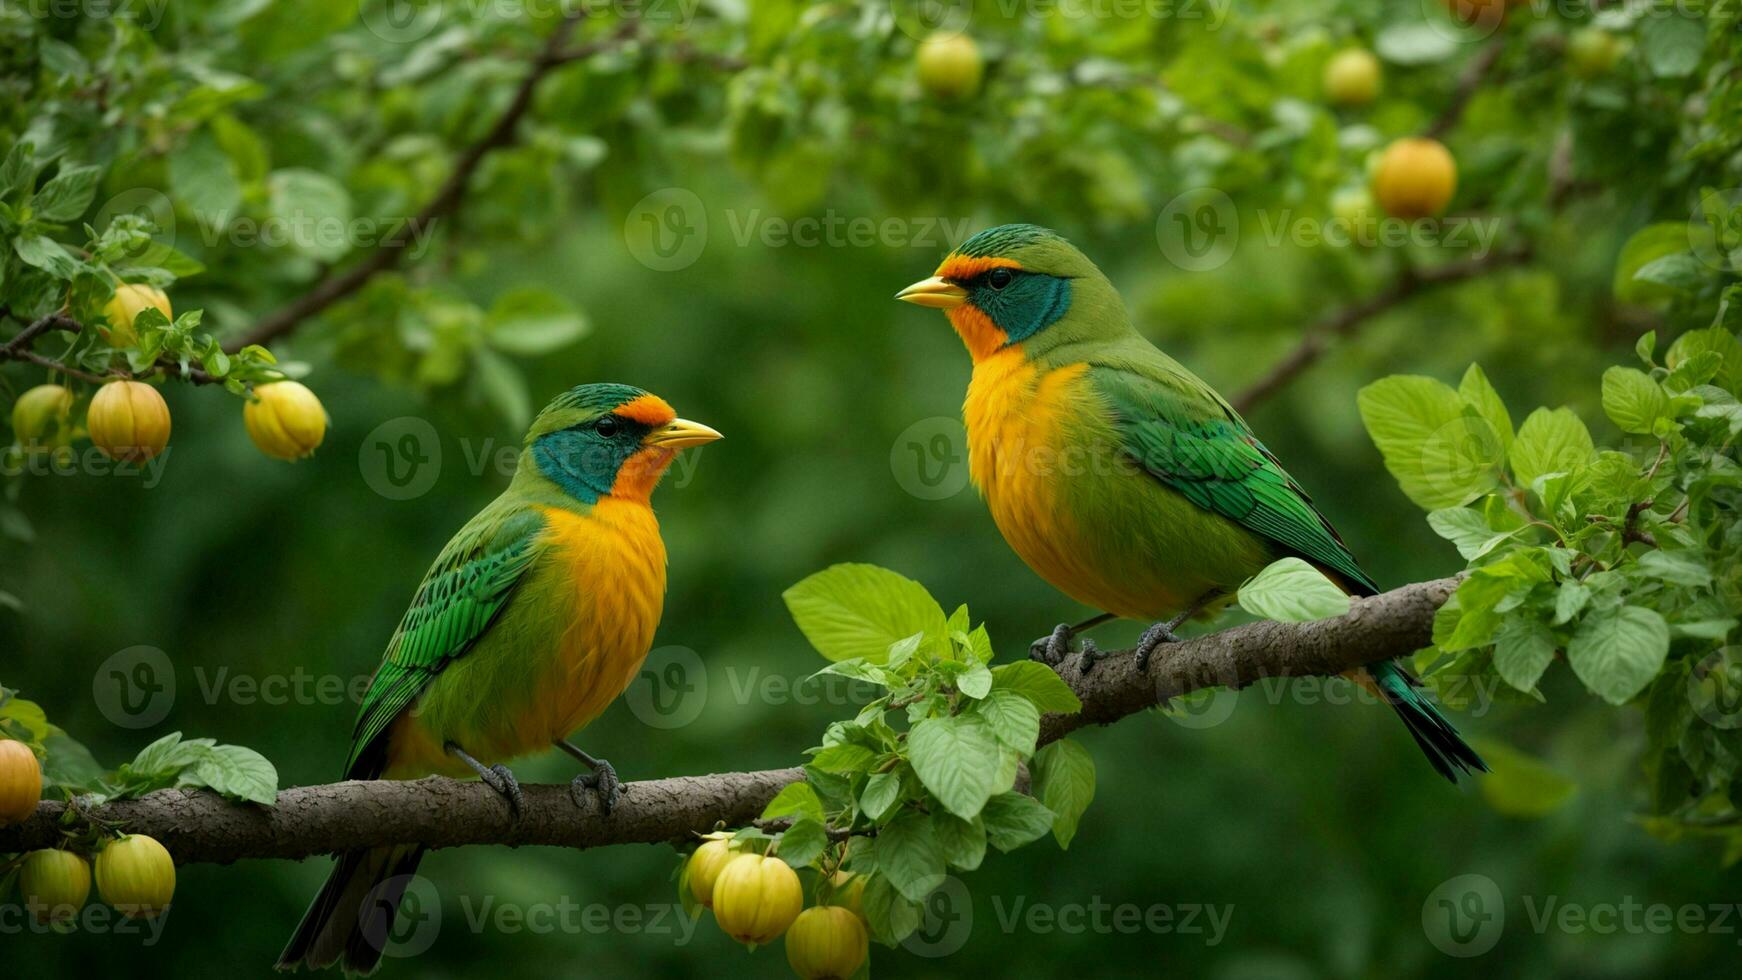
(1186, 436)
(461, 596)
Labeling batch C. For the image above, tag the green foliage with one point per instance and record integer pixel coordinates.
(1627, 561)
(1292, 591)
(929, 773)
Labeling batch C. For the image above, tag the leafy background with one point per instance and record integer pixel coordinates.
(1317, 822)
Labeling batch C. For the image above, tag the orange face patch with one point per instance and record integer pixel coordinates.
(641, 472)
(648, 410)
(963, 267)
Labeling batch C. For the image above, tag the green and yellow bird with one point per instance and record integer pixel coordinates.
(1119, 476)
(532, 620)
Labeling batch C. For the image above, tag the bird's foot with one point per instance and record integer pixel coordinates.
(602, 783)
(498, 777)
(1092, 655)
(502, 780)
(1053, 648)
(1152, 639)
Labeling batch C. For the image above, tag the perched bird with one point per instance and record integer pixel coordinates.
(1119, 476)
(532, 620)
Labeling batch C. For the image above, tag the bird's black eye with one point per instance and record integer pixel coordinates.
(999, 278)
(606, 426)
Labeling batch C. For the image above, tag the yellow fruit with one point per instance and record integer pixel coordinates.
(285, 420)
(54, 884)
(1352, 77)
(1354, 208)
(756, 898)
(40, 412)
(850, 892)
(1415, 178)
(827, 942)
(136, 875)
(1592, 51)
(705, 866)
(128, 420)
(950, 66)
(20, 782)
(124, 307)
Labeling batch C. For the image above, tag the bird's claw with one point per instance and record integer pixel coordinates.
(1092, 655)
(602, 783)
(502, 781)
(1152, 639)
(1053, 648)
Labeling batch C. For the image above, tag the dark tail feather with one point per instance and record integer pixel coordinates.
(351, 919)
(1439, 741)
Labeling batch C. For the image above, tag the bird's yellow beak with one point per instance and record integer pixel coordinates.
(937, 292)
(679, 433)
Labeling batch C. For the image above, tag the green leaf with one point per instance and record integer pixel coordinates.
(794, 799)
(909, 856)
(1468, 529)
(962, 842)
(1716, 340)
(1038, 683)
(1680, 271)
(48, 255)
(843, 757)
(859, 610)
(68, 765)
(1441, 453)
(1520, 785)
(1013, 719)
(1632, 400)
(1550, 442)
(314, 209)
(203, 180)
(880, 793)
(66, 196)
(803, 842)
(1064, 780)
(236, 772)
(891, 916)
(956, 758)
(1523, 649)
(1478, 393)
(504, 387)
(1617, 652)
(976, 681)
(1289, 590)
(530, 322)
(1677, 567)
(1415, 43)
(23, 720)
(1647, 244)
(1013, 820)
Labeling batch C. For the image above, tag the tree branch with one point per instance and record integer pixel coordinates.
(1341, 323)
(390, 251)
(198, 826)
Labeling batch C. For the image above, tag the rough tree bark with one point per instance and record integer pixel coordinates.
(198, 826)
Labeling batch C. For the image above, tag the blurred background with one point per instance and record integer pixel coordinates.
(1310, 824)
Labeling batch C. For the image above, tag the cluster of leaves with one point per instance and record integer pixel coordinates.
(942, 764)
(232, 771)
(1625, 561)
